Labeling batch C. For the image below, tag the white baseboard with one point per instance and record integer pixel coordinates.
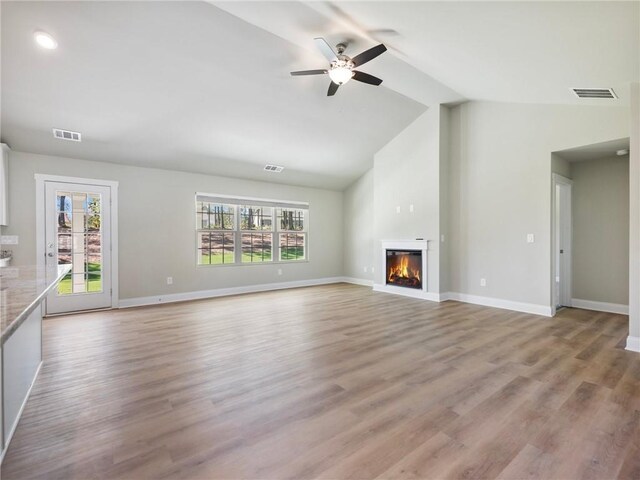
(222, 292)
(600, 306)
(358, 281)
(633, 343)
(15, 425)
(533, 308)
(407, 292)
(446, 296)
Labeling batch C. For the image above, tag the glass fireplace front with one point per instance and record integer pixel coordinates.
(404, 268)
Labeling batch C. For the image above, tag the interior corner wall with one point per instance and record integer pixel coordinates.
(444, 239)
(600, 219)
(358, 229)
(406, 172)
(633, 342)
(500, 191)
(157, 236)
(560, 166)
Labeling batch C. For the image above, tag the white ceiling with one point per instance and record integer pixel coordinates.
(205, 87)
(597, 151)
(184, 85)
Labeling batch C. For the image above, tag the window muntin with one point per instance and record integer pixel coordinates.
(257, 247)
(232, 230)
(292, 246)
(216, 248)
(215, 216)
(291, 219)
(256, 218)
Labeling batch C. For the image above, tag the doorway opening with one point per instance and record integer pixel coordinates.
(561, 242)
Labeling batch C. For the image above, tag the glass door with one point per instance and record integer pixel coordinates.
(78, 234)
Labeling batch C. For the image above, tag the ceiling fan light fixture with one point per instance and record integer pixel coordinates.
(340, 75)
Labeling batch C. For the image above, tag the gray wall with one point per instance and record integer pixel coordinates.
(600, 211)
(500, 191)
(358, 229)
(157, 225)
(560, 166)
(445, 181)
(407, 172)
(633, 342)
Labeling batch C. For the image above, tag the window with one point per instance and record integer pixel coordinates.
(293, 237)
(233, 230)
(216, 245)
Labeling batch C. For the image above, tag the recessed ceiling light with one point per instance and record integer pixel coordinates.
(622, 152)
(45, 40)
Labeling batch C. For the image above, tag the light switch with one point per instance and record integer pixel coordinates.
(411, 208)
(483, 282)
(398, 209)
(530, 238)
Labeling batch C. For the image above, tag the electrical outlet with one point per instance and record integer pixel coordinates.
(279, 271)
(9, 240)
(365, 269)
(530, 238)
(483, 282)
(442, 238)
(169, 280)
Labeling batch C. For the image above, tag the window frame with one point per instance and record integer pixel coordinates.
(237, 202)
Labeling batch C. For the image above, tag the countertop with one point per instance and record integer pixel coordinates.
(22, 289)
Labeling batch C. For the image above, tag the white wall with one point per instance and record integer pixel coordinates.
(600, 211)
(406, 172)
(500, 191)
(157, 225)
(358, 229)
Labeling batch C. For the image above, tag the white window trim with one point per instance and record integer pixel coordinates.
(237, 232)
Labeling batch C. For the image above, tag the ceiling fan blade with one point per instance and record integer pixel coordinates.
(326, 50)
(333, 88)
(309, 72)
(368, 55)
(366, 78)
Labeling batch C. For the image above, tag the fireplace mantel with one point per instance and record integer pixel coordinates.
(405, 245)
(422, 245)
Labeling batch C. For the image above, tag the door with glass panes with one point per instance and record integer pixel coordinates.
(78, 233)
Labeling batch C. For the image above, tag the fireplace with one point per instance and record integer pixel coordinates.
(404, 268)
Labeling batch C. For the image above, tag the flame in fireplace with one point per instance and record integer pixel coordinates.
(402, 270)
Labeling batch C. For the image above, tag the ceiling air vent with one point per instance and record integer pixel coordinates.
(273, 168)
(594, 92)
(67, 135)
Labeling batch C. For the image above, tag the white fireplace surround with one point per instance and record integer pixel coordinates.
(422, 245)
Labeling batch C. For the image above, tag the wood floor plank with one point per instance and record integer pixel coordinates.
(333, 381)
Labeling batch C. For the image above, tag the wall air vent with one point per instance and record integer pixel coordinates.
(273, 168)
(67, 135)
(594, 92)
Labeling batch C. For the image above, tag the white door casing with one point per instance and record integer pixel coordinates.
(561, 242)
(77, 224)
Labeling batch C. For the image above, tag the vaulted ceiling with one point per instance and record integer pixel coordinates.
(204, 87)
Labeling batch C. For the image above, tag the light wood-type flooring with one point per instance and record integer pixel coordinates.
(331, 382)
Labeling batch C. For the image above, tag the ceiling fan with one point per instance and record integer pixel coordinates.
(341, 67)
